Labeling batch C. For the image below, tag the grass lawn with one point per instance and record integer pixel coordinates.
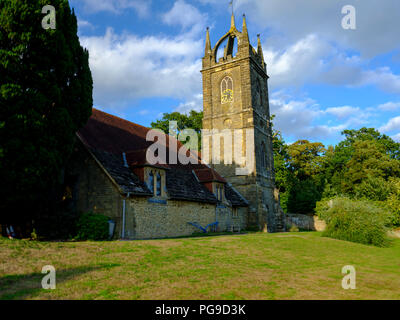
(253, 266)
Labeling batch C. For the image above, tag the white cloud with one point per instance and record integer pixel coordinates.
(343, 112)
(306, 119)
(392, 125)
(295, 118)
(313, 59)
(116, 6)
(195, 104)
(84, 24)
(377, 23)
(127, 67)
(186, 16)
(298, 63)
(389, 106)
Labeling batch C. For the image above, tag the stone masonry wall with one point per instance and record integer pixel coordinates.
(94, 191)
(305, 222)
(146, 220)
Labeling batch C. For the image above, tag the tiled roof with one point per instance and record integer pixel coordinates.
(119, 144)
(208, 175)
(234, 196)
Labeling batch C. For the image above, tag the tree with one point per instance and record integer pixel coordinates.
(306, 158)
(194, 120)
(369, 162)
(364, 155)
(391, 148)
(45, 97)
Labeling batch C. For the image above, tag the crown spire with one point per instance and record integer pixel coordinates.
(244, 28)
(208, 42)
(260, 50)
(232, 16)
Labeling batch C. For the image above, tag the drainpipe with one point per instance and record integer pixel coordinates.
(123, 215)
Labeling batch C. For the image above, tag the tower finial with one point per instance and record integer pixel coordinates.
(244, 28)
(208, 42)
(260, 50)
(233, 16)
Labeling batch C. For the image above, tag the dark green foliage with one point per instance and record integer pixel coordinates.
(303, 197)
(92, 227)
(355, 220)
(194, 120)
(60, 225)
(45, 97)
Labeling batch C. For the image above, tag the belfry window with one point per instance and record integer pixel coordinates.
(226, 90)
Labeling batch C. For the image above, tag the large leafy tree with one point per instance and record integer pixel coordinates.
(305, 181)
(364, 155)
(193, 120)
(306, 158)
(45, 97)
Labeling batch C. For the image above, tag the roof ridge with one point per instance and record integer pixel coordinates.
(125, 120)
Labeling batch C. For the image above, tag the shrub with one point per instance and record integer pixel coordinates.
(359, 221)
(292, 228)
(393, 202)
(92, 227)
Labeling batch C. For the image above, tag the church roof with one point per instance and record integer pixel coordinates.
(120, 145)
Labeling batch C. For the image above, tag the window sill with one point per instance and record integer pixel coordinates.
(158, 201)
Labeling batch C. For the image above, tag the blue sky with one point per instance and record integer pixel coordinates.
(145, 58)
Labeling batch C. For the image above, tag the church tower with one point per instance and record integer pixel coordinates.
(235, 97)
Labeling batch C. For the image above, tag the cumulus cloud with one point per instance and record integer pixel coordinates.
(298, 63)
(305, 118)
(377, 23)
(194, 104)
(126, 67)
(343, 112)
(84, 24)
(389, 106)
(393, 125)
(296, 118)
(313, 59)
(186, 16)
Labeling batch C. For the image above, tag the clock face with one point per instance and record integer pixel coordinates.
(227, 96)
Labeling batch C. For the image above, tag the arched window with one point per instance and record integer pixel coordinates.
(150, 183)
(158, 184)
(226, 90)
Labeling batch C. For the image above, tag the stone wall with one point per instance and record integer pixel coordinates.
(94, 191)
(145, 217)
(232, 220)
(304, 222)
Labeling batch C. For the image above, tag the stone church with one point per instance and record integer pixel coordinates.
(109, 172)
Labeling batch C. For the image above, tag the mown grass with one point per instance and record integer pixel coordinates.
(251, 266)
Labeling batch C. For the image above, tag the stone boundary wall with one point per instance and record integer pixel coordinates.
(304, 222)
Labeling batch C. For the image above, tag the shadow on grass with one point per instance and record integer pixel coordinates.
(19, 287)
